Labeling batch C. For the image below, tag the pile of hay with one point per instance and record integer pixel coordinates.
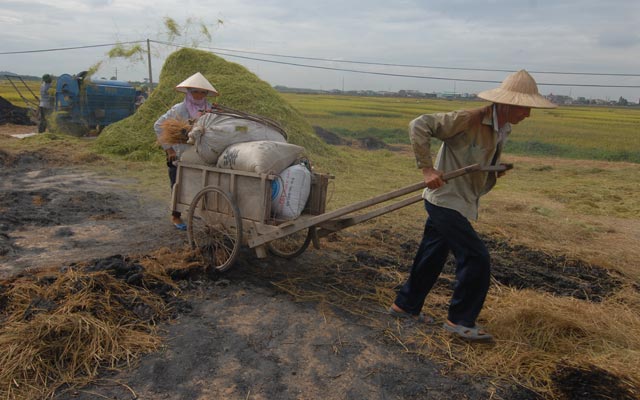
(58, 328)
(239, 89)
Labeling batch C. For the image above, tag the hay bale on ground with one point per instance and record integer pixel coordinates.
(58, 328)
(239, 89)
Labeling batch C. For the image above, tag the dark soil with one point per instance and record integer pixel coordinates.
(369, 142)
(56, 215)
(330, 137)
(232, 337)
(13, 114)
(241, 335)
(523, 268)
(578, 382)
(517, 266)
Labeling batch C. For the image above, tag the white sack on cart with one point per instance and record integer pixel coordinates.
(262, 156)
(190, 156)
(289, 193)
(212, 133)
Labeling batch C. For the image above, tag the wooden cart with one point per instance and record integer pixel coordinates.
(227, 209)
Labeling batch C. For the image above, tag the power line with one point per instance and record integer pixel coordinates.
(216, 50)
(419, 66)
(406, 75)
(69, 48)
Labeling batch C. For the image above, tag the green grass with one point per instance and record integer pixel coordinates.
(594, 133)
(573, 132)
(382, 117)
(609, 190)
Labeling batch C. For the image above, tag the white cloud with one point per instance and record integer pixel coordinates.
(540, 35)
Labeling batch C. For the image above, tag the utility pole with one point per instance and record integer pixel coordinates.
(149, 63)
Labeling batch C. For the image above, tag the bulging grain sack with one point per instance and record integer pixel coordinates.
(213, 133)
(190, 156)
(289, 193)
(262, 156)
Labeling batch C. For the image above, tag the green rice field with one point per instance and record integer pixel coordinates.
(577, 132)
(573, 132)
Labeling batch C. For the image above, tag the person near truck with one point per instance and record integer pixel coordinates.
(196, 89)
(475, 136)
(45, 104)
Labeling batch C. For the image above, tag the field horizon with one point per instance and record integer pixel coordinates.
(571, 218)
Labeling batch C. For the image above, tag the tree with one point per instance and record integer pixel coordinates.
(622, 101)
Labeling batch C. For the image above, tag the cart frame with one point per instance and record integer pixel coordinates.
(229, 208)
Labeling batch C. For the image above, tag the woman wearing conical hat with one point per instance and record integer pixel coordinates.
(196, 89)
(468, 137)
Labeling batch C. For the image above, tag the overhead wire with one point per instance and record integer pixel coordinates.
(419, 66)
(227, 52)
(70, 48)
(405, 75)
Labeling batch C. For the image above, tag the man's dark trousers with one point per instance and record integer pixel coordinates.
(448, 230)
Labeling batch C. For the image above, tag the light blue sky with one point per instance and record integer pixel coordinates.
(537, 35)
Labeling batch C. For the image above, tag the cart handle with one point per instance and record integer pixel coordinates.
(299, 224)
(345, 221)
(476, 167)
(459, 172)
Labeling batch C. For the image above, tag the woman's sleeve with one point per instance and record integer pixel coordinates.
(157, 126)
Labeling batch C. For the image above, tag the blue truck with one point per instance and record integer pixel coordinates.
(84, 104)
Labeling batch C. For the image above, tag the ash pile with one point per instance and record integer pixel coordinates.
(10, 114)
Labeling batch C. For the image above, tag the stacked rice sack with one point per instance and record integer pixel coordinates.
(229, 142)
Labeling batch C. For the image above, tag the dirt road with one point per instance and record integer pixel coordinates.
(248, 334)
(244, 338)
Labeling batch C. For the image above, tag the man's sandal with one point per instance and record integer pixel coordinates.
(475, 334)
(405, 315)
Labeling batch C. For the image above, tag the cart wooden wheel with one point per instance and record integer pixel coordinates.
(214, 228)
(291, 245)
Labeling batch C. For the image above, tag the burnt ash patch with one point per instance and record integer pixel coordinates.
(7, 246)
(127, 270)
(131, 272)
(13, 114)
(573, 382)
(53, 207)
(22, 205)
(516, 266)
(514, 392)
(330, 137)
(21, 161)
(521, 267)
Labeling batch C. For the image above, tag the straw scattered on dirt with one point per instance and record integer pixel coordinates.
(565, 329)
(60, 327)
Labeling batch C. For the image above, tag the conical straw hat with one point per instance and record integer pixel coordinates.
(197, 81)
(518, 89)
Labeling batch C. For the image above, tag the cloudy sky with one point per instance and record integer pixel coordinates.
(448, 43)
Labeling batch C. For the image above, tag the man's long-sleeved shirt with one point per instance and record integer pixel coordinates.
(45, 98)
(469, 137)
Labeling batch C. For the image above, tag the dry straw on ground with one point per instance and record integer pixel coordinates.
(554, 346)
(60, 327)
(53, 336)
